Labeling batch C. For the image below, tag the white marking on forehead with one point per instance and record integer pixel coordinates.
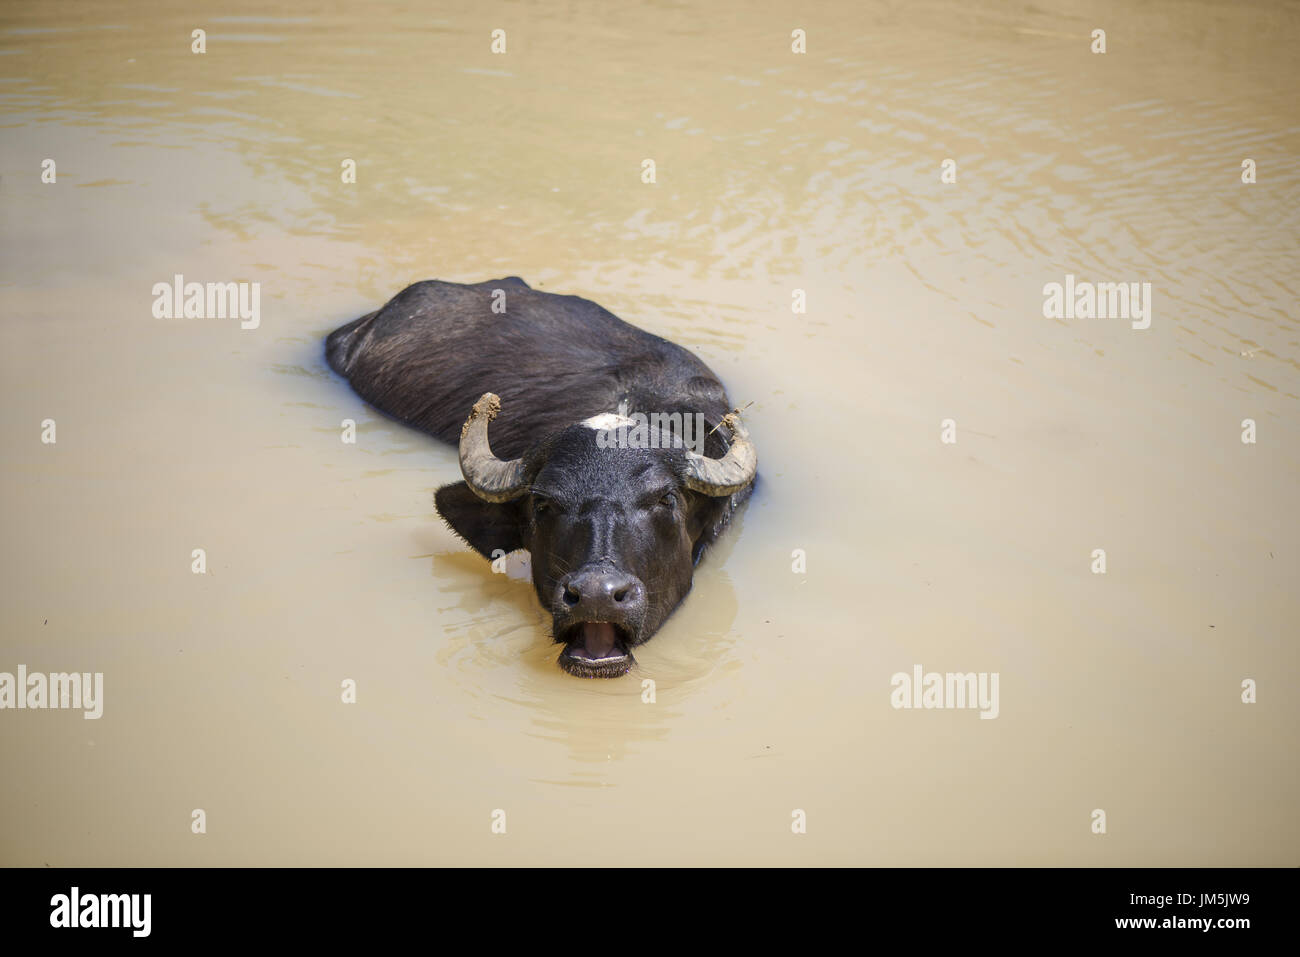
(608, 420)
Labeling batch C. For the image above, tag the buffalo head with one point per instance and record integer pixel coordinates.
(614, 527)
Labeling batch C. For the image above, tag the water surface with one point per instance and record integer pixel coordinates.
(775, 172)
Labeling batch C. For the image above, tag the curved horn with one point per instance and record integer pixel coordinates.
(729, 474)
(487, 476)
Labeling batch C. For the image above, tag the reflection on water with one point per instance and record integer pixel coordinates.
(775, 173)
(496, 641)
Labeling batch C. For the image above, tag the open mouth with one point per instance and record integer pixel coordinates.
(596, 649)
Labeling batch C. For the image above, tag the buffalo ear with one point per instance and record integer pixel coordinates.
(484, 525)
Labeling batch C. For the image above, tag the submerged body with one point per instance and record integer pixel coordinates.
(614, 526)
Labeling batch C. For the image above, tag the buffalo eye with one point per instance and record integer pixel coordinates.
(669, 500)
(541, 506)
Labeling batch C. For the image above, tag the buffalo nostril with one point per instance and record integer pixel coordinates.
(599, 592)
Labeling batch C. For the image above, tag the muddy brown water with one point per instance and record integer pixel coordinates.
(775, 172)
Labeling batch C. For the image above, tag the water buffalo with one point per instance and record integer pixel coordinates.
(615, 512)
